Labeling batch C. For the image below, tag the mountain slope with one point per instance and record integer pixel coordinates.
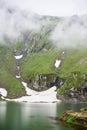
(7, 74)
(41, 41)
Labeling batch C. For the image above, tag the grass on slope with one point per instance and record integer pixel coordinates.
(39, 63)
(73, 68)
(11, 84)
(7, 74)
(75, 61)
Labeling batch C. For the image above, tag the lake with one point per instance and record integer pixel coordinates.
(34, 116)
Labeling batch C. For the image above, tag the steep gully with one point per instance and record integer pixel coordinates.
(34, 96)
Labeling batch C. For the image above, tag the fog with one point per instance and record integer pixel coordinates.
(13, 22)
(71, 32)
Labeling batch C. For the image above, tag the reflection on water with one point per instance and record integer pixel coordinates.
(26, 116)
(38, 110)
(2, 111)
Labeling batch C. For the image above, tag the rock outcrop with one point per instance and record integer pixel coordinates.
(75, 118)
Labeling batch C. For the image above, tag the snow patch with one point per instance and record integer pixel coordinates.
(57, 63)
(3, 92)
(63, 52)
(18, 76)
(28, 90)
(48, 96)
(18, 57)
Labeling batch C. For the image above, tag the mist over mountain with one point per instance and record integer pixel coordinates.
(71, 32)
(13, 22)
(65, 31)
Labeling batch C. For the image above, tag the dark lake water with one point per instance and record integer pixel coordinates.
(26, 116)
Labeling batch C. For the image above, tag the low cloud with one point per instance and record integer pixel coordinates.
(71, 32)
(14, 21)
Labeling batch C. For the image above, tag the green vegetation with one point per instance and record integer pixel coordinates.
(74, 81)
(18, 46)
(73, 69)
(75, 118)
(75, 61)
(7, 74)
(39, 63)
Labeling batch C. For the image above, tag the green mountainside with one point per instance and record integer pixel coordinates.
(39, 55)
(7, 74)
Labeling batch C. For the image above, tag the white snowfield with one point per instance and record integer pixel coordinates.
(3, 92)
(18, 76)
(28, 90)
(57, 63)
(48, 96)
(18, 57)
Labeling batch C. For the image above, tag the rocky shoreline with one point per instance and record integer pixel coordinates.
(75, 118)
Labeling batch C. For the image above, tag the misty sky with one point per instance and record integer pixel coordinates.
(51, 7)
